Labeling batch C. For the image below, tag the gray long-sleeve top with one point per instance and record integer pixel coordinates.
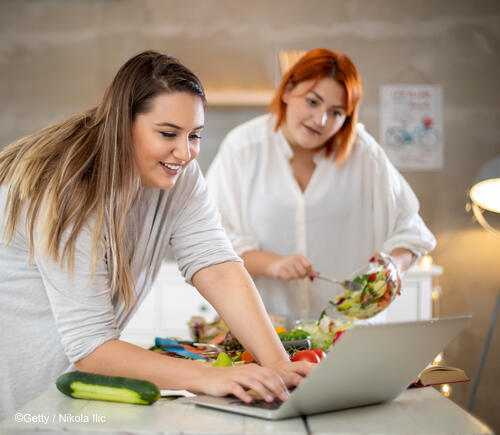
(50, 319)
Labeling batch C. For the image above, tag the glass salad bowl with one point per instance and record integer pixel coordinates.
(379, 285)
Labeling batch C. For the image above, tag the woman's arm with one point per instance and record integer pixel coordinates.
(229, 288)
(118, 358)
(282, 267)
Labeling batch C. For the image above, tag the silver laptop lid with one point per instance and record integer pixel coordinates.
(368, 364)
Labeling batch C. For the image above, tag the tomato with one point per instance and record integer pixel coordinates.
(306, 355)
(337, 336)
(340, 301)
(372, 277)
(320, 352)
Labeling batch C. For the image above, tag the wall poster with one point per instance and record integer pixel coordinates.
(411, 126)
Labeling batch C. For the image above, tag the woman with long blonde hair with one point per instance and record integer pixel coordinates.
(89, 208)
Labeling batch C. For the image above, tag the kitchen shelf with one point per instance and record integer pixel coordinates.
(239, 98)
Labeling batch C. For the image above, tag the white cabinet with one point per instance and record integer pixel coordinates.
(166, 309)
(415, 301)
(172, 301)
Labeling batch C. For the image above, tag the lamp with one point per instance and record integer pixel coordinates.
(485, 194)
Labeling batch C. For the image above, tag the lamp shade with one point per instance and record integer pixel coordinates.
(485, 193)
(486, 189)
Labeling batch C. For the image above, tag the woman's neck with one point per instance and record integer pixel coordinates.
(302, 165)
(305, 155)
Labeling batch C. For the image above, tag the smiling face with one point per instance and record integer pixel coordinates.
(313, 115)
(167, 137)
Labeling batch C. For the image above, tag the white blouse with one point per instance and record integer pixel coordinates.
(346, 213)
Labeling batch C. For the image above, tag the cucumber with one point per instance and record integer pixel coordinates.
(81, 385)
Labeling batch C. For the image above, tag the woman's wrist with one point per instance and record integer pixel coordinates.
(272, 265)
(197, 375)
(260, 263)
(273, 354)
(402, 258)
(277, 362)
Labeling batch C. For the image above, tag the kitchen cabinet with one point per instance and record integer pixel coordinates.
(415, 301)
(167, 308)
(172, 301)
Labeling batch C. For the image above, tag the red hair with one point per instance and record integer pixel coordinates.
(316, 65)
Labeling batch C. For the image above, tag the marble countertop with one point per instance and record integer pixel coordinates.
(420, 410)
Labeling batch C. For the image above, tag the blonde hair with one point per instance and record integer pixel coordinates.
(82, 171)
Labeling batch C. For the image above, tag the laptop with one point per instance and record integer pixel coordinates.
(369, 364)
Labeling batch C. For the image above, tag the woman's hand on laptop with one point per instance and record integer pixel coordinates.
(266, 382)
(293, 373)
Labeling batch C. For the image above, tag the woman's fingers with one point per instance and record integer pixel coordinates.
(292, 267)
(261, 390)
(300, 270)
(238, 391)
(294, 379)
(268, 384)
(288, 269)
(303, 368)
(306, 264)
(302, 266)
(264, 382)
(293, 373)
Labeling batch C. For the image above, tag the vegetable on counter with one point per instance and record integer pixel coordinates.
(231, 343)
(91, 386)
(324, 330)
(279, 329)
(319, 352)
(306, 355)
(247, 357)
(295, 334)
(205, 332)
(337, 335)
(223, 360)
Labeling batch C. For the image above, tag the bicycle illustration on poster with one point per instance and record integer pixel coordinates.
(411, 126)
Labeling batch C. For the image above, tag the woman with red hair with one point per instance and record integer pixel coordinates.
(306, 189)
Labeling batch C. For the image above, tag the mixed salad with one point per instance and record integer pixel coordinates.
(379, 287)
(325, 331)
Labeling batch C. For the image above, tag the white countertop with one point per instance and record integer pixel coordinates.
(421, 410)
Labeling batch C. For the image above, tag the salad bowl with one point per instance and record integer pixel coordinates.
(379, 284)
